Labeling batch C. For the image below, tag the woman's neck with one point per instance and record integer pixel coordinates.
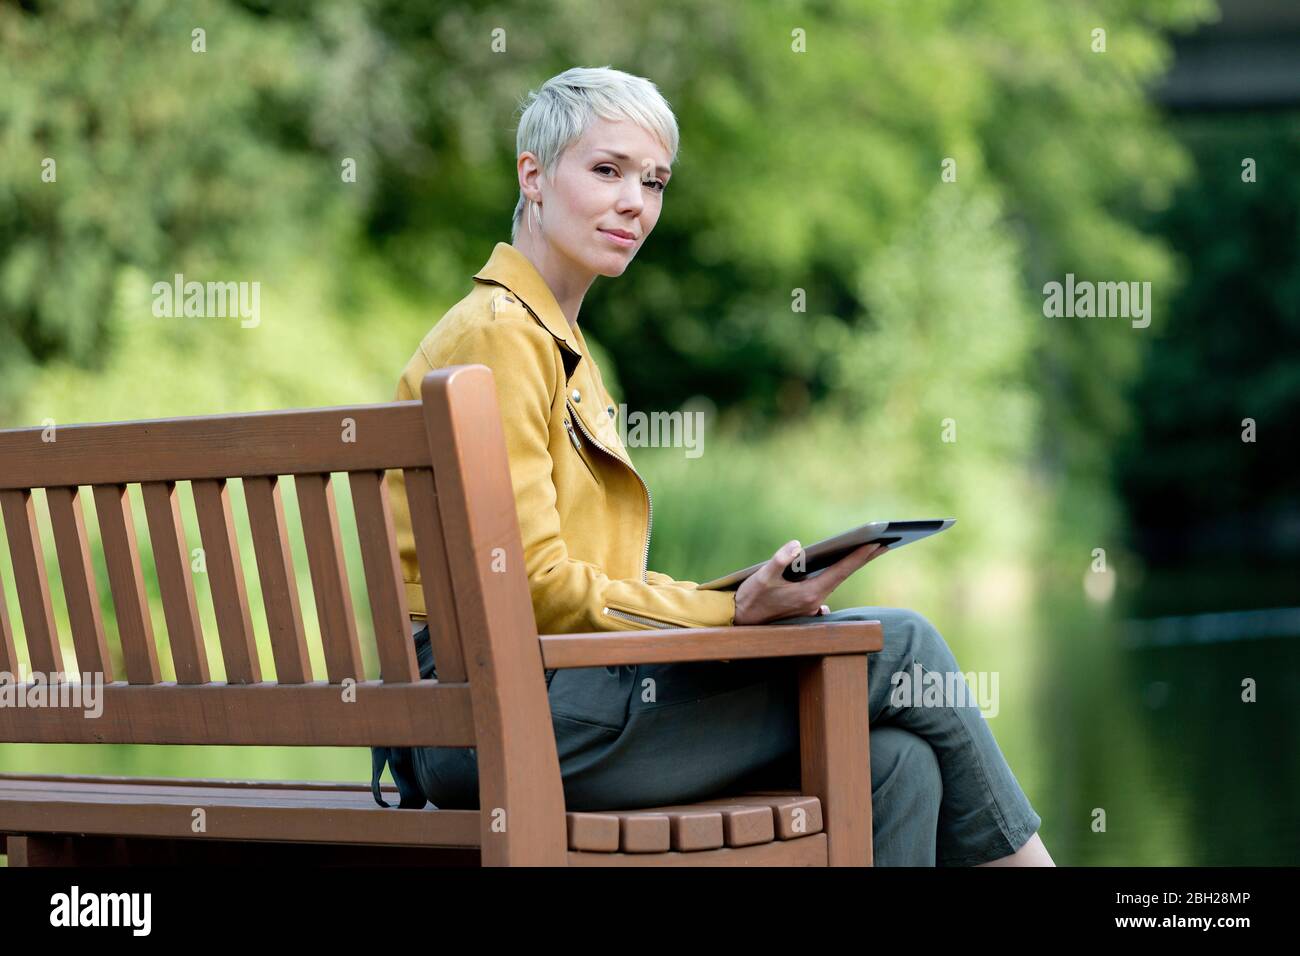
(567, 285)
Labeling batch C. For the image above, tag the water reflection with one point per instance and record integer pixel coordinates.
(1178, 732)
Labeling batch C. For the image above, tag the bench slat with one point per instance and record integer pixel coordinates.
(675, 645)
(231, 814)
(435, 575)
(279, 581)
(24, 536)
(79, 587)
(687, 829)
(139, 792)
(371, 713)
(58, 778)
(329, 576)
(810, 851)
(795, 815)
(217, 446)
(645, 833)
(122, 555)
(8, 652)
(226, 574)
(171, 557)
(383, 576)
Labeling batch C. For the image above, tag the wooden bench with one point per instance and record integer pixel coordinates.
(491, 693)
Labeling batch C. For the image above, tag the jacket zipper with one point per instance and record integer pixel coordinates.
(650, 507)
(641, 620)
(577, 445)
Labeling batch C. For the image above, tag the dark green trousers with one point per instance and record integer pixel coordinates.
(653, 734)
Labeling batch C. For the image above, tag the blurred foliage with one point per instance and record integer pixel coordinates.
(166, 161)
(817, 171)
(1228, 353)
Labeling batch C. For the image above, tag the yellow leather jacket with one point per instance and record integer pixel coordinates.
(585, 515)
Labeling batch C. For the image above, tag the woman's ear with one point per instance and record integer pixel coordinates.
(530, 171)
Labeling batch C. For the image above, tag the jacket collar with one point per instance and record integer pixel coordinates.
(509, 267)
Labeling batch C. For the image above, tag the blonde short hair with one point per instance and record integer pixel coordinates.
(556, 115)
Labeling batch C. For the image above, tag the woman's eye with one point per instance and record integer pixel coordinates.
(657, 184)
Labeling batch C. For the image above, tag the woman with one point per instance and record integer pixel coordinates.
(595, 153)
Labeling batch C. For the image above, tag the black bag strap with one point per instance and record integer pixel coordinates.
(399, 758)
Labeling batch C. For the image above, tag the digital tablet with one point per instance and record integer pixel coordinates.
(818, 557)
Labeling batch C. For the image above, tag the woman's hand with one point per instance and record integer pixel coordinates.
(767, 596)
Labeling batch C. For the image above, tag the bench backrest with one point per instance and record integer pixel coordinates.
(451, 448)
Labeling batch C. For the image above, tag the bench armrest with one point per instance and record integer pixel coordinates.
(834, 743)
(673, 645)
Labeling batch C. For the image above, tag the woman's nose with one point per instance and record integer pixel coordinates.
(629, 197)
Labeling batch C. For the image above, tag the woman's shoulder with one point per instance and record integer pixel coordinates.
(489, 326)
(488, 316)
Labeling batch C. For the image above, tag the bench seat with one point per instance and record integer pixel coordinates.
(340, 813)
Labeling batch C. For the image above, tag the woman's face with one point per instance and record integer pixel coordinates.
(611, 179)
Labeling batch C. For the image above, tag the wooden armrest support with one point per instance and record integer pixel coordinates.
(835, 753)
(710, 644)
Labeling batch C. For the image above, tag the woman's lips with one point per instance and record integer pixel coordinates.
(619, 240)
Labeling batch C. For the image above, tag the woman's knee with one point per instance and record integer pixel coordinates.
(903, 618)
(910, 635)
(905, 770)
(901, 625)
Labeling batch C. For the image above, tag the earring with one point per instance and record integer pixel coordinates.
(535, 208)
